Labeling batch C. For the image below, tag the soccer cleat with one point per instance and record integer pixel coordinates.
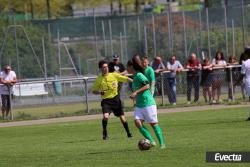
(129, 135)
(163, 146)
(248, 119)
(153, 143)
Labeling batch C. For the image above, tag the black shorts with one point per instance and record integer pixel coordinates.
(113, 105)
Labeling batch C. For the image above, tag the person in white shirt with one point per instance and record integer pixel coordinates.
(245, 74)
(7, 79)
(219, 65)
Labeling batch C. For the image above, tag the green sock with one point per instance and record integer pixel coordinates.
(158, 133)
(146, 133)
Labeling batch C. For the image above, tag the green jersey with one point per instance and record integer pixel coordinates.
(150, 74)
(145, 98)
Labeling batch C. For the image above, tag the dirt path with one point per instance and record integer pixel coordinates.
(99, 116)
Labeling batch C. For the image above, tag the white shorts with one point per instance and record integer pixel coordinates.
(148, 114)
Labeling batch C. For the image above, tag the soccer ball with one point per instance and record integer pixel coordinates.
(144, 144)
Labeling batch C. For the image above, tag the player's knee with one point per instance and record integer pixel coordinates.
(138, 123)
(153, 124)
(105, 117)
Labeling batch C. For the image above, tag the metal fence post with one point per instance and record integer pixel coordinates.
(185, 33)
(169, 33)
(145, 41)
(226, 36)
(243, 23)
(10, 99)
(231, 83)
(104, 39)
(162, 89)
(200, 30)
(96, 45)
(125, 37)
(233, 33)
(121, 47)
(86, 94)
(154, 35)
(110, 35)
(139, 28)
(208, 34)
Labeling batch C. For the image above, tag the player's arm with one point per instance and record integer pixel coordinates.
(180, 67)
(152, 84)
(142, 89)
(2, 81)
(122, 78)
(14, 80)
(96, 87)
(130, 79)
(145, 86)
(124, 72)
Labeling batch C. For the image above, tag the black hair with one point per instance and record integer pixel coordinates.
(100, 64)
(136, 64)
(243, 57)
(217, 54)
(247, 52)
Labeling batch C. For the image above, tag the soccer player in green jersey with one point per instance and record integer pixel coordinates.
(149, 73)
(107, 85)
(145, 106)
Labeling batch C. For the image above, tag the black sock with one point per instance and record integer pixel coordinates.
(125, 125)
(104, 126)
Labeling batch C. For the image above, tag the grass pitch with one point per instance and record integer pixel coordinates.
(188, 136)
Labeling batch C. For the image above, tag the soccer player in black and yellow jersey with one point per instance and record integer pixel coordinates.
(107, 85)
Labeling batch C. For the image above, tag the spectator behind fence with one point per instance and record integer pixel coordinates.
(219, 65)
(173, 66)
(207, 79)
(149, 73)
(235, 75)
(158, 65)
(117, 66)
(8, 79)
(193, 66)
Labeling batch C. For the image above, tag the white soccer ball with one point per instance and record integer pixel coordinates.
(144, 144)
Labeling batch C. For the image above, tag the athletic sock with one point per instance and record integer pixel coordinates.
(125, 125)
(158, 133)
(104, 126)
(146, 133)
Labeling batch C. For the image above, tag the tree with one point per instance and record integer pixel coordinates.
(38, 8)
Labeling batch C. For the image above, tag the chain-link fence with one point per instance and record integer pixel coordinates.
(44, 48)
(217, 86)
(73, 46)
